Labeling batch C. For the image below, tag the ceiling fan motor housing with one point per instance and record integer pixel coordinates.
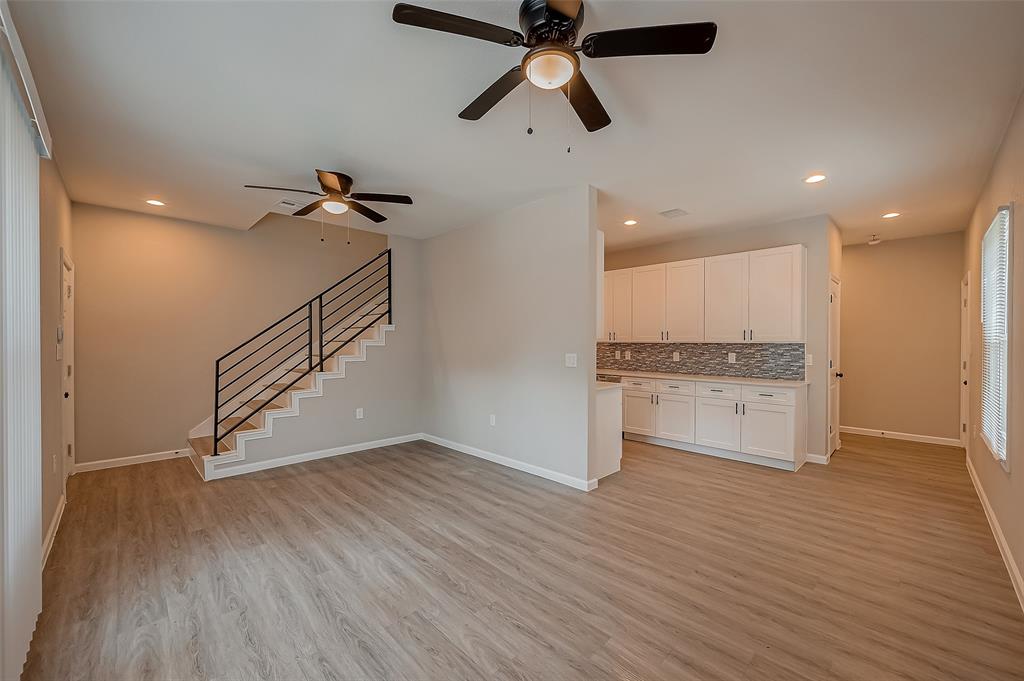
(542, 25)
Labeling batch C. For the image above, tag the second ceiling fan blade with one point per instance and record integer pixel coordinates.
(411, 15)
(651, 40)
(366, 211)
(306, 210)
(281, 189)
(585, 103)
(494, 94)
(383, 198)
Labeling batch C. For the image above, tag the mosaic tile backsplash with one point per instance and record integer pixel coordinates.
(753, 360)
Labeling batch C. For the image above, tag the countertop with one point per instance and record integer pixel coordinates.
(778, 382)
(605, 385)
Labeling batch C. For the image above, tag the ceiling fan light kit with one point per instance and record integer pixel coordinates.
(550, 29)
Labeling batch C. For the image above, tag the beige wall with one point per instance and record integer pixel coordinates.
(159, 299)
(54, 233)
(814, 234)
(900, 336)
(1005, 491)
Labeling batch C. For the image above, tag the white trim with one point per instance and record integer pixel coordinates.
(254, 466)
(129, 460)
(819, 459)
(1004, 549)
(51, 534)
(693, 448)
(930, 439)
(554, 476)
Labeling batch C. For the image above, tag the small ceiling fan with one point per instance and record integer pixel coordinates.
(336, 188)
(551, 28)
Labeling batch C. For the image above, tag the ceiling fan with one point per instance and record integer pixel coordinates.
(336, 188)
(551, 28)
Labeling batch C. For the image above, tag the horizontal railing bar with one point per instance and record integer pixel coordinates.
(355, 298)
(264, 375)
(262, 406)
(268, 328)
(384, 266)
(284, 346)
(354, 272)
(354, 315)
(225, 372)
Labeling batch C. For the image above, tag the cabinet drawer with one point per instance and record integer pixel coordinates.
(769, 395)
(676, 387)
(725, 391)
(637, 383)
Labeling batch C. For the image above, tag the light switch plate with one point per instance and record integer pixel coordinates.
(618, 354)
(494, 420)
(571, 360)
(810, 359)
(629, 355)
(675, 356)
(359, 413)
(732, 358)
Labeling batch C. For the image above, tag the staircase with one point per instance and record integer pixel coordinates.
(268, 376)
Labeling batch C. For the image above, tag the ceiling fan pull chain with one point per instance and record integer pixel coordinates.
(529, 99)
(348, 228)
(322, 239)
(568, 106)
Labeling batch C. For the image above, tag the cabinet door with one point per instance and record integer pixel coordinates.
(684, 301)
(718, 423)
(776, 296)
(622, 305)
(767, 430)
(637, 412)
(674, 417)
(648, 304)
(608, 316)
(725, 298)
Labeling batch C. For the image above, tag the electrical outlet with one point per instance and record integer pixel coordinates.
(732, 358)
(54, 457)
(494, 420)
(571, 360)
(618, 354)
(359, 413)
(675, 356)
(629, 355)
(810, 359)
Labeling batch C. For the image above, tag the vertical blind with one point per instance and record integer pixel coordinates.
(995, 298)
(20, 457)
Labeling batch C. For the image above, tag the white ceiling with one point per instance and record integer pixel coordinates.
(902, 104)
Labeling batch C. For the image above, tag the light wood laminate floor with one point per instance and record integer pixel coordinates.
(415, 562)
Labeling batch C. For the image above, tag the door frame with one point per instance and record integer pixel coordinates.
(965, 359)
(69, 453)
(834, 311)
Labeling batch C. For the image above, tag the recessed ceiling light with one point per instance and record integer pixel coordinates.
(336, 207)
(629, 223)
(891, 215)
(814, 179)
(154, 202)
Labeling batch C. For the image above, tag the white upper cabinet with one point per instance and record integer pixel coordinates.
(648, 304)
(684, 301)
(776, 283)
(725, 298)
(619, 307)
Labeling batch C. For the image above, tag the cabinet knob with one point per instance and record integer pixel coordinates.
(839, 374)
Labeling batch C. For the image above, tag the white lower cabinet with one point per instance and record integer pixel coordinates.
(718, 423)
(638, 412)
(674, 417)
(767, 430)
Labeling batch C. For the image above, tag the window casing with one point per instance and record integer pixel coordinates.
(995, 333)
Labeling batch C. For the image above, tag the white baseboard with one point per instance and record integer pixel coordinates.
(128, 460)
(554, 476)
(930, 439)
(54, 526)
(252, 467)
(818, 459)
(1004, 549)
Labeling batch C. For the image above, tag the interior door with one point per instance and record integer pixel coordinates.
(684, 301)
(835, 372)
(767, 430)
(965, 358)
(725, 291)
(718, 423)
(66, 354)
(648, 304)
(622, 305)
(675, 416)
(776, 295)
(638, 412)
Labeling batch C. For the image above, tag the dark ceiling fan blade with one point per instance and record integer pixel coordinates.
(333, 182)
(422, 17)
(282, 189)
(567, 8)
(649, 40)
(306, 210)
(384, 198)
(366, 211)
(494, 94)
(586, 104)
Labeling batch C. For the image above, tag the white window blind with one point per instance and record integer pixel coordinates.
(995, 299)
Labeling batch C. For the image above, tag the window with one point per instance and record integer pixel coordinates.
(995, 302)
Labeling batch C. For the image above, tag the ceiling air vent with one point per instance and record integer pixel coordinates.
(673, 213)
(288, 204)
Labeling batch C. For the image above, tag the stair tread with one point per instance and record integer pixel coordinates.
(203, 446)
(231, 421)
